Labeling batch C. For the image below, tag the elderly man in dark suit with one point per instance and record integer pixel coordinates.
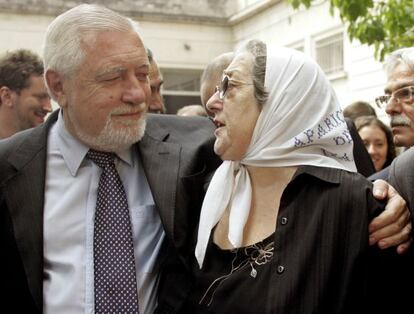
(94, 201)
(399, 98)
(399, 104)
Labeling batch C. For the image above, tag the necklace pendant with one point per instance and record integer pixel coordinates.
(253, 273)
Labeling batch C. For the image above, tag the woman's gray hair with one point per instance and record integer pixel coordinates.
(404, 56)
(259, 51)
(62, 50)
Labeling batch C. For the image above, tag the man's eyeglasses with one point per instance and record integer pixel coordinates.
(404, 94)
(224, 85)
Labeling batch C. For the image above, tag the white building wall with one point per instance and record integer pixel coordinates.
(186, 46)
(168, 40)
(191, 46)
(281, 24)
(22, 31)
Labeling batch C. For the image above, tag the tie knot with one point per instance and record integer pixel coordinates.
(102, 159)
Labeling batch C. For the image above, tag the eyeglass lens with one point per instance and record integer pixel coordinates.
(403, 94)
(223, 86)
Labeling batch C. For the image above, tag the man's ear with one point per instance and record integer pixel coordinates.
(7, 96)
(54, 82)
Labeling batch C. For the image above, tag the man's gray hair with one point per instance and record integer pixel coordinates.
(259, 51)
(62, 50)
(215, 67)
(404, 56)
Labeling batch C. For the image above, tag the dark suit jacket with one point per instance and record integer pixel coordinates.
(401, 176)
(382, 174)
(177, 157)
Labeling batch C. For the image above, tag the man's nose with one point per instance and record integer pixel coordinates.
(134, 93)
(156, 103)
(47, 104)
(392, 106)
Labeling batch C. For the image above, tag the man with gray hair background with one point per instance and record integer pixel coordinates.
(399, 100)
(399, 103)
(156, 102)
(399, 69)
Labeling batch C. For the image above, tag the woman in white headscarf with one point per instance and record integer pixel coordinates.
(284, 223)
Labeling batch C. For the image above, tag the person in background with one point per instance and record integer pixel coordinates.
(192, 110)
(156, 102)
(211, 76)
(359, 109)
(377, 138)
(251, 253)
(399, 104)
(400, 76)
(24, 101)
(396, 211)
(399, 69)
(96, 199)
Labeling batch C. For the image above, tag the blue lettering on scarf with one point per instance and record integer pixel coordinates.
(344, 157)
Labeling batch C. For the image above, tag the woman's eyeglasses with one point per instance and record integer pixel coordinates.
(224, 85)
(404, 94)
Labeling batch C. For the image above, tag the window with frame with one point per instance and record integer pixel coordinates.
(181, 87)
(329, 53)
(299, 47)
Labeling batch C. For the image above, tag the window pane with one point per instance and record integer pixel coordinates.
(329, 54)
(181, 80)
(174, 102)
(300, 48)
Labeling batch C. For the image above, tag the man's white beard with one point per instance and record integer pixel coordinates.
(113, 139)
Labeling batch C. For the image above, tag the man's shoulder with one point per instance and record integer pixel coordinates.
(382, 174)
(27, 140)
(403, 165)
(11, 143)
(181, 128)
(402, 176)
(179, 121)
(405, 158)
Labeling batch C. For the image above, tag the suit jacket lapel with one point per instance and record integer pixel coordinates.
(160, 161)
(24, 196)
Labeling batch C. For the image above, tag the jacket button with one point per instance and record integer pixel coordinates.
(283, 220)
(280, 269)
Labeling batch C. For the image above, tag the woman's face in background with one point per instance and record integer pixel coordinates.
(375, 142)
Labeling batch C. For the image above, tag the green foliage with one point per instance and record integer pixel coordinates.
(385, 24)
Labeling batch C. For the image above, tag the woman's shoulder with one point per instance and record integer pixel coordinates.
(335, 176)
(346, 191)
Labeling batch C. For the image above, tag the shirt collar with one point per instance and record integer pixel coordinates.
(74, 151)
(330, 175)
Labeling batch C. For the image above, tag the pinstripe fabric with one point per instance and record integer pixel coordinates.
(321, 260)
(177, 155)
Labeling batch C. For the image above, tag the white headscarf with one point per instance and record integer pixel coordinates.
(301, 123)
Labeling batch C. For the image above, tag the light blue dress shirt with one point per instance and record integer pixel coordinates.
(70, 200)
